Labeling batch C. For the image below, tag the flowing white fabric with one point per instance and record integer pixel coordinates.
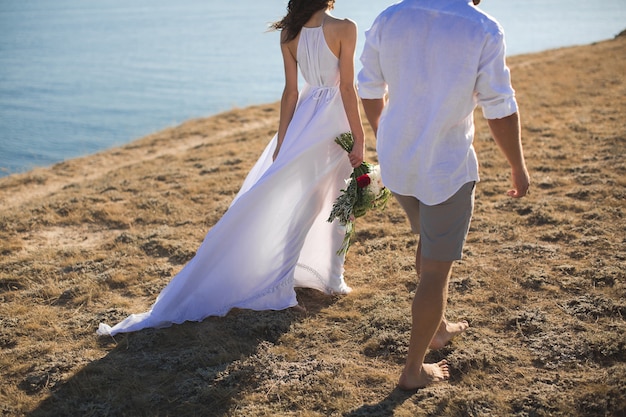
(275, 235)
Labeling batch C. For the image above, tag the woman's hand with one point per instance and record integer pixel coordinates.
(357, 154)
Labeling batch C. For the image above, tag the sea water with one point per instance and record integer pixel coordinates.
(79, 76)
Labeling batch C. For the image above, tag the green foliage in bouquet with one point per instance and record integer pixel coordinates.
(358, 197)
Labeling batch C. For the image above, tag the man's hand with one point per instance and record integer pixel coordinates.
(521, 184)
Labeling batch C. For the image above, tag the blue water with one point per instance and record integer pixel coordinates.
(79, 76)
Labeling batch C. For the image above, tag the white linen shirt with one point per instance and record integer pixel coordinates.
(437, 60)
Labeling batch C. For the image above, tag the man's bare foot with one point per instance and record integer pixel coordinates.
(429, 373)
(446, 332)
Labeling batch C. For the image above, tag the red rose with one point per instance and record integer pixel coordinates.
(363, 181)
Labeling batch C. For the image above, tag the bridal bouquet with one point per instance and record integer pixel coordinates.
(364, 191)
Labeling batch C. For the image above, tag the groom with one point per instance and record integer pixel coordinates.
(426, 65)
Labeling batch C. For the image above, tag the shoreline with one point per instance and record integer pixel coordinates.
(4, 174)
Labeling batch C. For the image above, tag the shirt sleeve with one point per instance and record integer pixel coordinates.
(370, 81)
(493, 91)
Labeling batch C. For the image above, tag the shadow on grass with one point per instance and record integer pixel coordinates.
(385, 407)
(192, 369)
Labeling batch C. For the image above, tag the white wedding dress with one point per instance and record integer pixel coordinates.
(275, 235)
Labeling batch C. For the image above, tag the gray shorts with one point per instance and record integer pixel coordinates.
(443, 227)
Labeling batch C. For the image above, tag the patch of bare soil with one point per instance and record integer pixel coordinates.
(542, 282)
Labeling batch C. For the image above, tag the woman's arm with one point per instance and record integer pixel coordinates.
(348, 37)
(290, 92)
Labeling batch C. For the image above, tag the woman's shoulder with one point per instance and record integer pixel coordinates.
(341, 24)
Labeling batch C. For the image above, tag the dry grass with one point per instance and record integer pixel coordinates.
(542, 282)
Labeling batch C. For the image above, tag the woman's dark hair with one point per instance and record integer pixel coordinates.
(298, 13)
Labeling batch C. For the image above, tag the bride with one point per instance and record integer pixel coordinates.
(275, 236)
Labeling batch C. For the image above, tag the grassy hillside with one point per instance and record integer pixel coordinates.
(542, 283)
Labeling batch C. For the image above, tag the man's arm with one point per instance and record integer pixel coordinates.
(373, 109)
(507, 134)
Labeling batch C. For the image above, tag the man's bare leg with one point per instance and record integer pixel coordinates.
(427, 311)
(446, 331)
